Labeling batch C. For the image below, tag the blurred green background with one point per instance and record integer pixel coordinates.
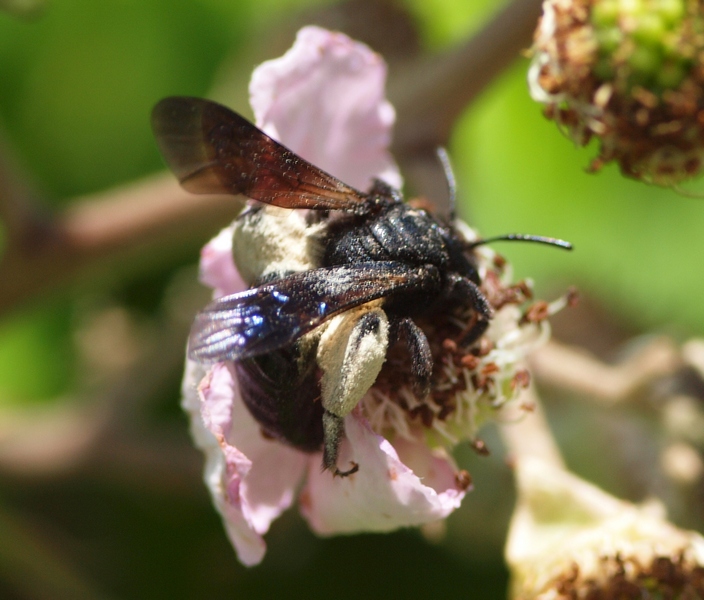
(77, 84)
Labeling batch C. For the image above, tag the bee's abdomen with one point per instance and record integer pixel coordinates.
(282, 394)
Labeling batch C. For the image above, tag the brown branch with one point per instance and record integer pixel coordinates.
(18, 197)
(95, 434)
(576, 370)
(431, 96)
(132, 228)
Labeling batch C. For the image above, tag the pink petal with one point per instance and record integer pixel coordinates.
(251, 478)
(249, 545)
(384, 494)
(217, 268)
(324, 99)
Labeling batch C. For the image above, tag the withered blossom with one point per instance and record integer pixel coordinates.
(569, 540)
(629, 74)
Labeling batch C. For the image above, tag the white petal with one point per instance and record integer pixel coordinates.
(385, 494)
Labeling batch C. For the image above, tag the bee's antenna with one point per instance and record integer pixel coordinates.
(520, 237)
(450, 178)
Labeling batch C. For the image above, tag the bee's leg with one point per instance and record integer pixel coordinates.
(463, 288)
(333, 432)
(421, 357)
(351, 352)
(475, 332)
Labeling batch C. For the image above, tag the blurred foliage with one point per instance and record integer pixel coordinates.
(636, 246)
(76, 89)
(446, 21)
(78, 85)
(36, 356)
(27, 9)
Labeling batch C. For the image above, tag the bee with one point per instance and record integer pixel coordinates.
(370, 265)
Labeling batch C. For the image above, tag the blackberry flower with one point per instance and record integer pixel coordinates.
(324, 100)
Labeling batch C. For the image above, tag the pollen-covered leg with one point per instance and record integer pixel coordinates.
(421, 356)
(351, 353)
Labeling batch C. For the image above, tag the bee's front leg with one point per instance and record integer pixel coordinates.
(462, 289)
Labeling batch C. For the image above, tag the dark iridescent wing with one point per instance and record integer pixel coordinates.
(213, 150)
(274, 315)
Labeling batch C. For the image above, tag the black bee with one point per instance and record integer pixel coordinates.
(375, 262)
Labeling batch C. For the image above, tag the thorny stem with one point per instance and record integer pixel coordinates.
(573, 369)
(132, 227)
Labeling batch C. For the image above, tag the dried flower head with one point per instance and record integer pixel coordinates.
(628, 73)
(570, 540)
(324, 100)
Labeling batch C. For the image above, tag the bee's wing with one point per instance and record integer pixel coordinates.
(274, 315)
(213, 150)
